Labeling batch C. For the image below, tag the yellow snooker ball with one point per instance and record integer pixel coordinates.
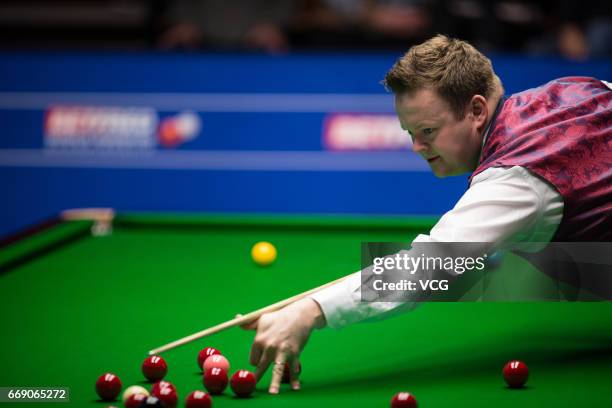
(263, 253)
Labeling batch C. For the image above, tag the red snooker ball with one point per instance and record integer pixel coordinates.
(134, 400)
(167, 395)
(154, 368)
(403, 400)
(108, 386)
(243, 383)
(215, 380)
(159, 385)
(198, 399)
(516, 373)
(204, 354)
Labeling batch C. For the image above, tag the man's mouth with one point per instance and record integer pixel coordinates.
(432, 159)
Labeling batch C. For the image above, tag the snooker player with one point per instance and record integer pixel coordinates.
(540, 164)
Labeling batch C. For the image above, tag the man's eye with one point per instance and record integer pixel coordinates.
(427, 131)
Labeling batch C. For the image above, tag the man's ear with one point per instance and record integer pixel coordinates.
(477, 108)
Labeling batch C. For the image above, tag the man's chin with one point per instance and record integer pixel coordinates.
(438, 169)
(443, 172)
(440, 174)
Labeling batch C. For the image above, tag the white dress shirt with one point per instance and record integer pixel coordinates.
(503, 206)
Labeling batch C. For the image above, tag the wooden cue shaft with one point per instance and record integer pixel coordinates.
(241, 320)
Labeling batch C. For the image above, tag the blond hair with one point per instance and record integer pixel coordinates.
(453, 68)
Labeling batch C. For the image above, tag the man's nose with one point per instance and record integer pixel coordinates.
(418, 147)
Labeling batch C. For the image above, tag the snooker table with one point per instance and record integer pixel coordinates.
(74, 305)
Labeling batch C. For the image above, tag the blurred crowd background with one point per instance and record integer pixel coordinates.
(573, 29)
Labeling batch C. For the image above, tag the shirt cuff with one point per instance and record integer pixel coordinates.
(339, 302)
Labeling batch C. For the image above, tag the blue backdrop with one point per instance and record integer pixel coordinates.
(258, 146)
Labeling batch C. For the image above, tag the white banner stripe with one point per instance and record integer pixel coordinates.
(219, 160)
(206, 102)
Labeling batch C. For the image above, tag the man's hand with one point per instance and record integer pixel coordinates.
(281, 337)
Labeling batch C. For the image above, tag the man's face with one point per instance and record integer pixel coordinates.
(449, 145)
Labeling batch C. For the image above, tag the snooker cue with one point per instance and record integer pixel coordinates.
(237, 321)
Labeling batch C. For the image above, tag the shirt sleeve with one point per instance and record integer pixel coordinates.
(503, 206)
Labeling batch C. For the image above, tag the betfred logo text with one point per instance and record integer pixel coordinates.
(93, 126)
(343, 131)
